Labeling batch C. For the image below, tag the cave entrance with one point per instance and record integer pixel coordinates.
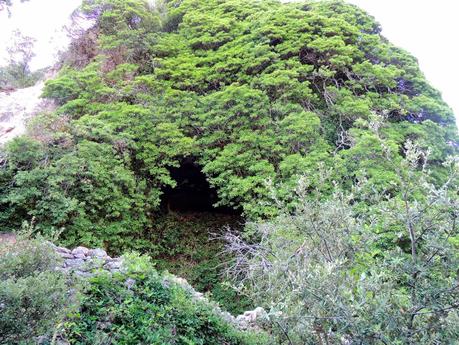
(188, 232)
(192, 194)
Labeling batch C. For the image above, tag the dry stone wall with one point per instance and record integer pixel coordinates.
(85, 263)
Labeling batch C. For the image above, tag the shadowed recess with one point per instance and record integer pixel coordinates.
(192, 193)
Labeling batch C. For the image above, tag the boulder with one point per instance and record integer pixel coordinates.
(80, 250)
(83, 262)
(63, 250)
(113, 265)
(98, 253)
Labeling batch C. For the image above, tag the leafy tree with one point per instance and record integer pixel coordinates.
(17, 74)
(257, 94)
(250, 91)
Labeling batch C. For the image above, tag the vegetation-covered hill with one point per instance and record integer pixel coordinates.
(299, 117)
(251, 90)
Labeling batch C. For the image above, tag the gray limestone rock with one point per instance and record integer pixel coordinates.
(98, 253)
(65, 255)
(84, 262)
(129, 283)
(63, 250)
(74, 263)
(113, 265)
(80, 250)
(83, 274)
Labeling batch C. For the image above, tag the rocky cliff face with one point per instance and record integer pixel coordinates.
(17, 107)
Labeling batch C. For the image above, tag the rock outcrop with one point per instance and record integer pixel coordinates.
(16, 107)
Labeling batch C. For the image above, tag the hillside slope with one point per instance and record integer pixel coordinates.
(293, 133)
(250, 91)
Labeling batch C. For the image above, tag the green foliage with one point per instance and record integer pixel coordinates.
(34, 297)
(252, 91)
(26, 258)
(139, 307)
(127, 30)
(188, 246)
(92, 189)
(72, 190)
(258, 94)
(329, 271)
(134, 306)
(252, 79)
(17, 74)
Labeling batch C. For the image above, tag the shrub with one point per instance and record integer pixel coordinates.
(14, 77)
(34, 297)
(139, 307)
(332, 273)
(17, 74)
(185, 246)
(26, 258)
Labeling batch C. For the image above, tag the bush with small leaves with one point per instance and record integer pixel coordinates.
(138, 306)
(34, 297)
(334, 272)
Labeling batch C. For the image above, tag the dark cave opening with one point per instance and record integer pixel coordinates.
(193, 193)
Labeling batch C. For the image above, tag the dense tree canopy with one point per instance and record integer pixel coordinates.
(305, 127)
(252, 91)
